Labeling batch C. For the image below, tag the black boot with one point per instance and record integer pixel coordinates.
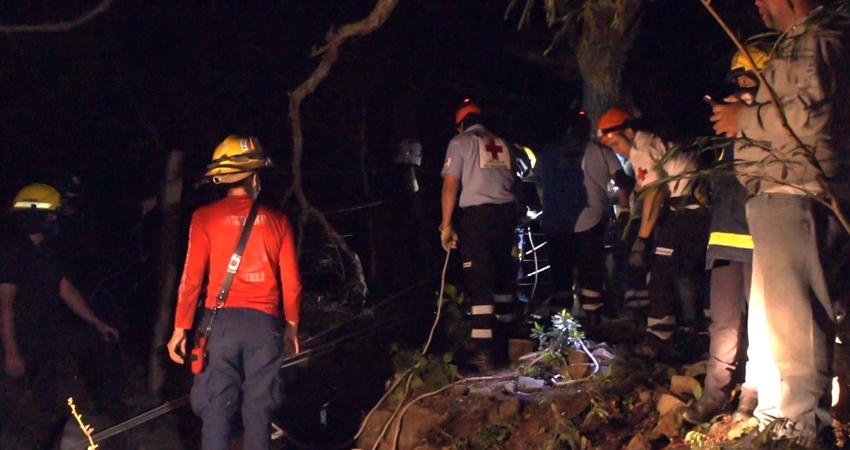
(654, 348)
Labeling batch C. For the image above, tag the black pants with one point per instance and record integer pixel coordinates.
(677, 282)
(243, 371)
(486, 243)
(583, 251)
(730, 290)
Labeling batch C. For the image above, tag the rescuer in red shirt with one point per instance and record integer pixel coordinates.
(246, 345)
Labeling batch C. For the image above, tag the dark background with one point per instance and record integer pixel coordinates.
(108, 100)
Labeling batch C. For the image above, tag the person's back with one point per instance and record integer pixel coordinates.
(240, 340)
(215, 231)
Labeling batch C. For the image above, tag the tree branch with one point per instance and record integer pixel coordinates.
(330, 53)
(58, 26)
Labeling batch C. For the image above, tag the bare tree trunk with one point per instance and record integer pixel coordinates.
(168, 262)
(367, 192)
(330, 53)
(609, 28)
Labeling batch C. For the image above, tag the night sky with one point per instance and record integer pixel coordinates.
(108, 100)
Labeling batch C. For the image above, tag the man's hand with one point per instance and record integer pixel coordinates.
(291, 346)
(14, 365)
(448, 237)
(108, 333)
(637, 258)
(725, 117)
(177, 345)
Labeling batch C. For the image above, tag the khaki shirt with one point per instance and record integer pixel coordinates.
(809, 73)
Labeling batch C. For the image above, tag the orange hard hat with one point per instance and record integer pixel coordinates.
(465, 109)
(615, 119)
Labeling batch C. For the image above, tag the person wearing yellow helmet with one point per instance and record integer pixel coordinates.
(32, 282)
(246, 339)
(791, 313)
(729, 258)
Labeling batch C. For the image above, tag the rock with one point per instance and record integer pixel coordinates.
(639, 442)
(668, 403)
(510, 388)
(640, 411)
(644, 394)
(611, 443)
(426, 447)
(505, 411)
(685, 385)
(415, 425)
(577, 357)
(460, 389)
(480, 391)
(695, 370)
(602, 355)
(518, 348)
(578, 371)
(670, 425)
(373, 428)
(529, 385)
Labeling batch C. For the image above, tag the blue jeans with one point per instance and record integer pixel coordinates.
(243, 371)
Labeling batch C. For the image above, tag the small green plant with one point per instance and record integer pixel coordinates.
(564, 332)
(455, 328)
(432, 372)
(489, 438)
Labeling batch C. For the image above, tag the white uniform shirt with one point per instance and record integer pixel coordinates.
(647, 151)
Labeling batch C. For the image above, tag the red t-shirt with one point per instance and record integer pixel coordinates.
(270, 252)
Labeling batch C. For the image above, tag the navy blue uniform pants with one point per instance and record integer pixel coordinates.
(486, 242)
(245, 352)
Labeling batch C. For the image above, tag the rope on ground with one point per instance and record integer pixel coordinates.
(376, 306)
(408, 372)
(433, 393)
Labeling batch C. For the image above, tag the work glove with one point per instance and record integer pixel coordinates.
(291, 346)
(637, 258)
(448, 238)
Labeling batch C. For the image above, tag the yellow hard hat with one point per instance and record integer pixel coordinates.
(37, 196)
(235, 159)
(741, 64)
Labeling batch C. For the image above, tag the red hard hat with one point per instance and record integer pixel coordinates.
(615, 119)
(465, 109)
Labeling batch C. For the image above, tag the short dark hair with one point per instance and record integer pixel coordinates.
(470, 120)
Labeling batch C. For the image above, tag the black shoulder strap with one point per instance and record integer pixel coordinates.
(233, 266)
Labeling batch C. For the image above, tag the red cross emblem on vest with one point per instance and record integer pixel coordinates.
(642, 173)
(493, 149)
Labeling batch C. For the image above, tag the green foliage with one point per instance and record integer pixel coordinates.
(564, 332)
(565, 432)
(454, 328)
(432, 372)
